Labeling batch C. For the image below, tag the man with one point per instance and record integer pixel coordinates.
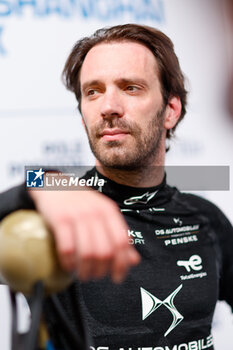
(131, 95)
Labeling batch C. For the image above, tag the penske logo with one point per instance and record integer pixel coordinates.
(150, 303)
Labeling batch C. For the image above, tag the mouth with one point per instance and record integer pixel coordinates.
(113, 134)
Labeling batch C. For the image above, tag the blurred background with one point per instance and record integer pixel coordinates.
(39, 121)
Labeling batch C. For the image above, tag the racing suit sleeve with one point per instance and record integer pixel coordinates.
(14, 199)
(224, 231)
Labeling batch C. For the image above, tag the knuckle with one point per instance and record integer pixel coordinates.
(86, 256)
(66, 251)
(104, 256)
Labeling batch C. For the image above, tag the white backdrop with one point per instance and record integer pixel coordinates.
(39, 123)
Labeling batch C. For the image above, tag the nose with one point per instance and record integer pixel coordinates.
(112, 104)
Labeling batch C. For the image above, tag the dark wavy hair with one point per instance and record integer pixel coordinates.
(170, 75)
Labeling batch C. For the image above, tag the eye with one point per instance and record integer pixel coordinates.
(92, 92)
(132, 88)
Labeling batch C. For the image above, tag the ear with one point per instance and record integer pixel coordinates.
(172, 113)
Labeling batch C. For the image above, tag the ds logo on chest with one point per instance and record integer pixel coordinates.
(150, 303)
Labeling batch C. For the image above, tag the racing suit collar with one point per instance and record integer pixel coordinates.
(133, 197)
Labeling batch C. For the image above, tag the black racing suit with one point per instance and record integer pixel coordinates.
(167, 301)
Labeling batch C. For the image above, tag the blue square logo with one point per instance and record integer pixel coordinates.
(35, 178)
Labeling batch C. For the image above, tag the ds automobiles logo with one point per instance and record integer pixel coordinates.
(150, 303)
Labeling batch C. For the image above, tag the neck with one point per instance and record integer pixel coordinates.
(144, 176)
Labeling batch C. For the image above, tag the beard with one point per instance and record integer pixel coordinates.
(140, 150)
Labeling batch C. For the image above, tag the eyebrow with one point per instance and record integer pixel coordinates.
(120, 81)
(124, 81)
(90, 83)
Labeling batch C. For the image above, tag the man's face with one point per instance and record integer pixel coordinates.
(122, 105)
